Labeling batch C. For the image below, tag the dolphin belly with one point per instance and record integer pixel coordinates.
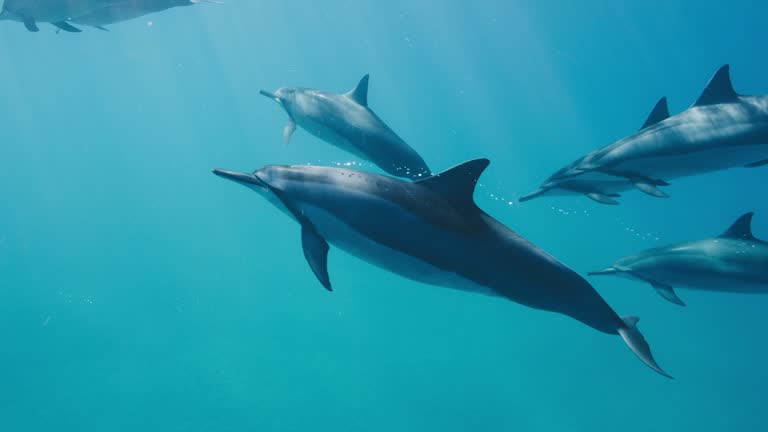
(711, 158)
(352, 241)
(328, 134)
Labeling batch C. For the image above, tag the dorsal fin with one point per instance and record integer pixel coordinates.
(457, 184)
(359, 94)
(659, 113)
(741, 229)
(719, 90)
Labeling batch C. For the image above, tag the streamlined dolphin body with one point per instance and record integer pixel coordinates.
(721, 130)
(345, 121)
(56, 12)
(735, 261)
(124, 10)
(431, 231)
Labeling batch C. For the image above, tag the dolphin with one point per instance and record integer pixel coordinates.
(431, 231)
(735, 261)
(345, 121)
(124, 10)
(721, 130)
(56, 12)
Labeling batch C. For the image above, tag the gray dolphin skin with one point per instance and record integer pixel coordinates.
(735, 262)
(721, 130)
(56, 12)
(124, 10)
(345, 121)
(431, 231)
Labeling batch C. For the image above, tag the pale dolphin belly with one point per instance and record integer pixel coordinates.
(325, 133)
(686, 164)
(353, 242)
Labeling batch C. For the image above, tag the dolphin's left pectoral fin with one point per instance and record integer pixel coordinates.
(757, 164)
(31, 25)
(668, 293)
(67, 27)
(650, 186)
(288, 131)
(603, 198)
(316, 253)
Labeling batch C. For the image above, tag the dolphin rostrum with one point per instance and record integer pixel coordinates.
(431, 231)
(735, 261)
(345, 121)
(721, 130)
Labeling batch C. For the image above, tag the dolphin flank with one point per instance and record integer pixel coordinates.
(345, 121)
(735, 261)
(721, 130)
(431, 231)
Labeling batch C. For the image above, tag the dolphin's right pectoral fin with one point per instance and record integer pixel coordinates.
(668, 293)
(316, 253)
(31, 25)
(602, 198)
(288, 131)
(637, 343)
(67, 27)
(757, 164)
(650, 186)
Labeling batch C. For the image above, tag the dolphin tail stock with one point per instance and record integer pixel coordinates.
(637, 343)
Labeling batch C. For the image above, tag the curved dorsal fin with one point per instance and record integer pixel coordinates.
(359, 94)
(719, 90)
(457, 184)
(741, 229)
(659, 113)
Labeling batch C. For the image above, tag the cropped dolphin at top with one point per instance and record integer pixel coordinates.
(345, 121)
(431, 231)
(56, 12)
(721, 130)
(735, 261)
(124, 10)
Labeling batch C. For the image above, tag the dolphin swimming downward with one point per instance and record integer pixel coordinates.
(431, 231)
(345, 121)
(721, 130)
(735, 261)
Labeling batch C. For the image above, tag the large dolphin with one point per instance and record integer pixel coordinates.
(735, 261)
(431, 231)
(721, 130)
(345, 121)
(56, 12)
(124, 10)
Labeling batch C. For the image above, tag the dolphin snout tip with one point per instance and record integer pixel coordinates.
(269, 95)
(608, 271)
(538, 192)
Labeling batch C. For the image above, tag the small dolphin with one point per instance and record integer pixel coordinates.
(56, 12)
(733, 262)
(721, 130)
(431, 231)
(124, 10)
(345, 121)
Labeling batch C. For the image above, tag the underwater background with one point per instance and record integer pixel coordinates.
(140, 292)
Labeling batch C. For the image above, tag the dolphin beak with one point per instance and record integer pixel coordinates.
(538, 192)
(608, 271)
(242, 178)
(269, 95)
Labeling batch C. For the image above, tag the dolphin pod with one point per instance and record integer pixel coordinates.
(345, 121)
(735, 261)
(721, 130)
(431, 231)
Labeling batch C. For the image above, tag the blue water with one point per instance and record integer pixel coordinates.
(140, 292)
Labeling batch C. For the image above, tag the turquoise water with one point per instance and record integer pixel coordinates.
(140, 292)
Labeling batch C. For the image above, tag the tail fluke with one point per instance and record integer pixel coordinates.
(636, 342)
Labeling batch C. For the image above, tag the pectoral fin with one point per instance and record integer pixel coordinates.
(650, 186)
(668, 293)
(31, 25)
(757, 164)
(602, 198)
(316, 253)
(288, 131)
(67, 27)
